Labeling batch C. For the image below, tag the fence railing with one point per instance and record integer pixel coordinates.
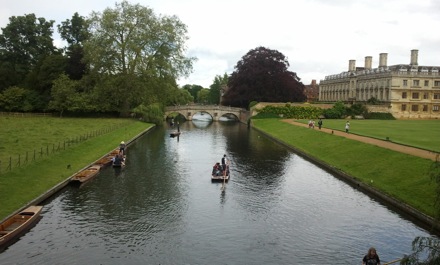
(20, 160)
(26, 114)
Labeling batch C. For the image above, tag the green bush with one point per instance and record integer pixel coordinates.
(379, 116)
(337, 112)
(291, 112)
(265, 115)
(152, 113)
(358, 109)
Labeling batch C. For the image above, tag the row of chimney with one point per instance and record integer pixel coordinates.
(382, 61)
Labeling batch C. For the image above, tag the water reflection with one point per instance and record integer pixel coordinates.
(162, 208)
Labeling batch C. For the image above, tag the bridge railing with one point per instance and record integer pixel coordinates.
(204, 107)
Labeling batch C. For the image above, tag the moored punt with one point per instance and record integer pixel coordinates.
(86, 174)
(13, 227)
(107, 160)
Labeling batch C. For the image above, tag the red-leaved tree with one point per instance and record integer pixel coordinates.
(262, 75)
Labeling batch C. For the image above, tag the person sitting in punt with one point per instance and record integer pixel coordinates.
(216, 169)
(118, 159)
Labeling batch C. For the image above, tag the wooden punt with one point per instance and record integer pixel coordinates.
(120, 163)
(15, 226)
(220, 178)
(86, 174)
(174, 134)
(107, 160)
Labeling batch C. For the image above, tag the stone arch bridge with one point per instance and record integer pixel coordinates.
(215, 111)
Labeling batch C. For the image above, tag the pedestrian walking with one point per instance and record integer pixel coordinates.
(320, 124)
(347, 127)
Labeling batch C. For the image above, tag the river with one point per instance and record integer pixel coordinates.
(162, 208)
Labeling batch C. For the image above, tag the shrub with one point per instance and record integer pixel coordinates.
(337, 112)
(357, 109)
(265, 115)
(292, 112)
(152, 113)
(379, 116)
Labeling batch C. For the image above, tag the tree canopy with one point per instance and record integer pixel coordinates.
(121, 58)
(24, 42)
(132, 42)
(262, 75)
(220, 82)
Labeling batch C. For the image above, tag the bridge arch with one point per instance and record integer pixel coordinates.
(215, 111)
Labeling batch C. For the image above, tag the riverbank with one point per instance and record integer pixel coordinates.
(37, 181)
(399, 179)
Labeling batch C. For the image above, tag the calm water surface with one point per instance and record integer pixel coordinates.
(163, 209)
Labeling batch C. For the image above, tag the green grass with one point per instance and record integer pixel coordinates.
(401, 176)
(39, 136)
(423, 134)
(23, 184)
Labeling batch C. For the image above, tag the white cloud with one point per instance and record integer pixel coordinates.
(318, 37)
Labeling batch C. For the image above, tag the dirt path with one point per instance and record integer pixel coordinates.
(382, 143)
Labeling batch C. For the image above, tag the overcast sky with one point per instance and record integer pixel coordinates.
(318, 37)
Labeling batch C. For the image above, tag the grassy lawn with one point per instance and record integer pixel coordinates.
(401, 176)
(423, 134)
(23, 184)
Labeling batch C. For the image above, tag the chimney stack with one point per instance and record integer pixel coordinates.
(383, 60)
(414, 57)
(351, 65)
(368, 60)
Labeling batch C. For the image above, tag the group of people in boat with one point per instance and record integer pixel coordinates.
(221, 169)
(119, 159)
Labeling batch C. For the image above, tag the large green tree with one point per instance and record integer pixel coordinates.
(75, 32)
(215, 90)
(132, 43)
(262, 75)
(193, 90)
(24, 43)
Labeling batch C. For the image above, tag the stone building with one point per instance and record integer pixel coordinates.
(312, 91)
(406, 90)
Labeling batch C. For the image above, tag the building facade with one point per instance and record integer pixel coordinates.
(408, 90)
(312, 91)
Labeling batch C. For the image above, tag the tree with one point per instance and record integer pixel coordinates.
(202, 96)
(180, 97)
(75, 32)
(63, 91)
(220, 82)
(16, 99)
(24, 42)
(193, 90)
(262, 75)
(131, 42)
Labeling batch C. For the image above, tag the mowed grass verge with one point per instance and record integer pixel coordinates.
(21, 185)
(401, 176)
(418, 133)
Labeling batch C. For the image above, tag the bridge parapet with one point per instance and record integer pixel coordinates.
(215, 111)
